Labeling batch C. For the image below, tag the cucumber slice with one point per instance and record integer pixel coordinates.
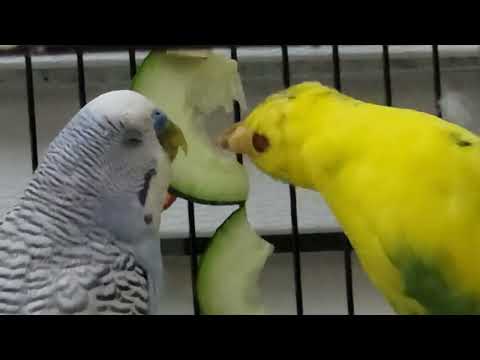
(189, 88)
(230, 268)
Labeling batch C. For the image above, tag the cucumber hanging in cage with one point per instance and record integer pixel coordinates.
(188, 87)
(230, 268)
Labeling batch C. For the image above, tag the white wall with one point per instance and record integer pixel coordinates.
(56, 95)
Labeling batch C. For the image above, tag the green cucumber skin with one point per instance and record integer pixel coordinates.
(181, 195)
(220, 229)
(141, 68)
(203, 258)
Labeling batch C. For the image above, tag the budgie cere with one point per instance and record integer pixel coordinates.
(83, 238)
(403, 184)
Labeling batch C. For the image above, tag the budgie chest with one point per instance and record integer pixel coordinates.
(47, 269)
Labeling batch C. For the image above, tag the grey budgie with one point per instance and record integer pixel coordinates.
(83, 238)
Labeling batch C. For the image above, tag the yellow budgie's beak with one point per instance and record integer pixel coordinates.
(239, 139)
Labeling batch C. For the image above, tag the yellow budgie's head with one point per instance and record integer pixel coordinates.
(274, 133)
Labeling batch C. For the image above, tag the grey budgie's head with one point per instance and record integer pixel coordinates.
(114, 159)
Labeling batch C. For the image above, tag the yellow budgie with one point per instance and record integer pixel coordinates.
(404, 185)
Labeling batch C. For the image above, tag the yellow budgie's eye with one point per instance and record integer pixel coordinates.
(260, 143)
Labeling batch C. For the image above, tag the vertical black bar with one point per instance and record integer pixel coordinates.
(348, 277)
(133, 62)
(31, 109)
(348, 250)
(437, 78)
(293, 206)
(82, 97)
(236, 105)
(336, 68)
(193, 255)
(386, 75)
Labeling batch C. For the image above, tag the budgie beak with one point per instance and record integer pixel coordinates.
(240, 139)
(237, 139)
(171, 139)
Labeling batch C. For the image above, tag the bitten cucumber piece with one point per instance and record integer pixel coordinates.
(229, 271)
(189, 88)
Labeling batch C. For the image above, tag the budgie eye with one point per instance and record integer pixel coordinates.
(260, 143)
(133, 138)
(160, 121)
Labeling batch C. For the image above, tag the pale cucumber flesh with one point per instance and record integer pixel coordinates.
(230, 269)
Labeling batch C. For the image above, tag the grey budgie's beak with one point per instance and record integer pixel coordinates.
(168, 134)
(171, 138)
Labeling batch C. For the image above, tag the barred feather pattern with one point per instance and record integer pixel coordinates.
(54, 257)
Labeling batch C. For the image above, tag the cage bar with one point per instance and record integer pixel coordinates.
(293, 207)
(32, 122)
(193, 255)
(133, 62)
(82, 94)
(437, 82)
(315, 242)
(236, 106)
(387, 82)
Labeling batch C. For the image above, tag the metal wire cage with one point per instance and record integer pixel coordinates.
(295, 243)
